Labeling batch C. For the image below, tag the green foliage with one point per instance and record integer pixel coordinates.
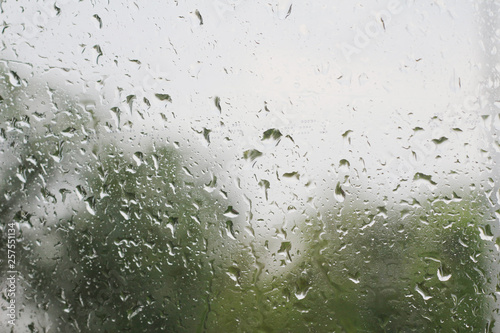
(118, 240)
(110, 240)
(430, 276)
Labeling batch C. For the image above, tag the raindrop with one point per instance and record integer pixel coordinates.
(234, 273)
(217, 103)
(99, 21)
(272, 133)
(130, 101)
(344, 165)
(124, 214)
(69, 132)
(63, 193)
(419, 289)
(21, 177)
(14, 79)
(339, 193)
(115, 113)
(134, 312)
(302, 288)
(198, 15)
(206, 134)
(293, 174)
(80, 192)
(251, 154)
(265, 184)
(138, 158)
(423, 176)
(99, 52)
(187, 172)
(231, 212)
(90, 205)
(442, 276)
(440, 140)
(155, 161)
(285, 248)
(485, 233)
(212, 185)
(164, 97)
(284, 9)
(229, 229)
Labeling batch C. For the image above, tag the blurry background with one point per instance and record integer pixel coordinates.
(245, 166)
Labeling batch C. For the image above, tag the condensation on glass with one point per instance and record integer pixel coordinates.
(249, 166)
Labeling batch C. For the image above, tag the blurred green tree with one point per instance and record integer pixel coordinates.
(116, 240)
(110, 240)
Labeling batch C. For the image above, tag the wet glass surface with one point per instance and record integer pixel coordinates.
(237, 166)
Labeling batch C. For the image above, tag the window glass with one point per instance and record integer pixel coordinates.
(249, 166)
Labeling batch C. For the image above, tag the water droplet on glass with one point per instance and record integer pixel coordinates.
(442, 276)
(339, 193)
(231, 212)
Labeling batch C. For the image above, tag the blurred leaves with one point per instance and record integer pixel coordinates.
(120, 239)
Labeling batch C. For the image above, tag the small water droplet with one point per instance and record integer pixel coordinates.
(90, 205)
(344, 165)
(251, 154)
(293, 174)
(99, 21)
(272, 133)
(339, 193)
(234, 273)
(14, 79)
(440, 140)
(420, 290)
(138, 158)
(302, 288)
(164, 97)
(231, 212)
(229, 230)
(442, 276)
